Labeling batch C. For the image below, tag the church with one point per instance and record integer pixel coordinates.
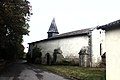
(86, 47)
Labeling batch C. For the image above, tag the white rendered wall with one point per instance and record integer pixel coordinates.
(113, 54)
(98, 37)
(69, 46)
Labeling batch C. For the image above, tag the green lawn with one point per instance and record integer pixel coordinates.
(78, 72)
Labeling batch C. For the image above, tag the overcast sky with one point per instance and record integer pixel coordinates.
(69, 15)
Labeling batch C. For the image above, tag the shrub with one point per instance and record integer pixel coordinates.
(36, 56)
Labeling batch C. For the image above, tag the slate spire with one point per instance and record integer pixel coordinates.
(53, 29)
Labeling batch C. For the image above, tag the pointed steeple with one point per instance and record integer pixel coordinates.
(53, 29)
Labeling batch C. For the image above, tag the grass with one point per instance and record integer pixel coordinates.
(78, 72)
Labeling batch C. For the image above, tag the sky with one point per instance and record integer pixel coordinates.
(70, 15)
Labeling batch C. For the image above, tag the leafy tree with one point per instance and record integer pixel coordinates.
(14, 17)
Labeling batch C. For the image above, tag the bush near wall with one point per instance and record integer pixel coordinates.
(36, 56)
(70, 62)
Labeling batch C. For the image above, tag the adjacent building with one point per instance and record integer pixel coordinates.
(112, 43)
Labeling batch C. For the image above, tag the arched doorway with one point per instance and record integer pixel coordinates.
(48, 58)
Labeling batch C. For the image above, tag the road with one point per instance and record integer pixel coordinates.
(22, 71)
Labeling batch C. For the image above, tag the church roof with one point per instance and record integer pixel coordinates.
(73, 33)
(53, 27)
(110, 26)
(68, 34)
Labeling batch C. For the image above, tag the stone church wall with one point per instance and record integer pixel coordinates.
(70, 46)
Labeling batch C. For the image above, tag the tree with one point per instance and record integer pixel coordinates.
(14, 17)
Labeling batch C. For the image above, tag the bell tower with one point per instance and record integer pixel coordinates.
(53, 29)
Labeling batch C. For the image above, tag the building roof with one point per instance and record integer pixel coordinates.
(53, 27)
(73, 33)
(68, 34)
(110, 26)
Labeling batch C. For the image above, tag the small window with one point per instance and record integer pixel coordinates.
(100, 48)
